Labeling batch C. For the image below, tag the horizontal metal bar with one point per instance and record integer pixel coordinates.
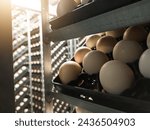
(84, 104)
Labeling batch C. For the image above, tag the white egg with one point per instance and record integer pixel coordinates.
(115, 77)
(80, 53)
(92, 40)
(65, 6)
(144, 63)
(127, 51)
(148, 41)
(69, 71)
(106, 44)
(135, 33)
(93, 61)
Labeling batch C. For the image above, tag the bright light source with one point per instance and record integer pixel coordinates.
(53, 2)
(36, 5)
(32, 4)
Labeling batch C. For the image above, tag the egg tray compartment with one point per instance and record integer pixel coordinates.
(135, 99)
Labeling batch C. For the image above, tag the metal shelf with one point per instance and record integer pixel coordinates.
(35, 49)
(93, 107)
(35, 31)
(109, 19)
(136, 13)
(100, 102)
(34, 40)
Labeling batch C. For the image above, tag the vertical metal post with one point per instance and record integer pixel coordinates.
(42, 62)
(7, 100)
(29, 56)
(46, 47)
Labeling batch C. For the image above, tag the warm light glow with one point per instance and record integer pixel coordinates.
(52, 9)
(32, 4)
(36, 5)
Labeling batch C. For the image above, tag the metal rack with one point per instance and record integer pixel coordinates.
(27, 56)
(133, 13)
(32, 94)
(21, 60)
(37, 81)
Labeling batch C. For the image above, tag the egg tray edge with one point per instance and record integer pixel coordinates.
(121, 102)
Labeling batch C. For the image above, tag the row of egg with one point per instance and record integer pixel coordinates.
(22, 104)
(19, 50)
(19, 61)
(38, 89)
(20, 71)
(21, 93)
(115, 75)
(19, 39)
(37, 105)
(36, 80)
(37, 44)
(21, 82)
(36, 97)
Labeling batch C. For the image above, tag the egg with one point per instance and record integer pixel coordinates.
(92, 40)
(115, 77)
(144, 63)
(148, 41)
(101, 34)
(127, 51)
(106, 44)
(69, 71)
(93, 61)
(84, 1)
(115, 33)
(80, 53)
(78, 1)
(135, 33)
(65, 6)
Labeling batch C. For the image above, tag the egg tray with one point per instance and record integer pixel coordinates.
(89, 10)
(89, 88)
(135, 99)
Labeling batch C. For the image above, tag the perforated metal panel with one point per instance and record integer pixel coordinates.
(59, 54)
(21, 59)
(62, 52)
